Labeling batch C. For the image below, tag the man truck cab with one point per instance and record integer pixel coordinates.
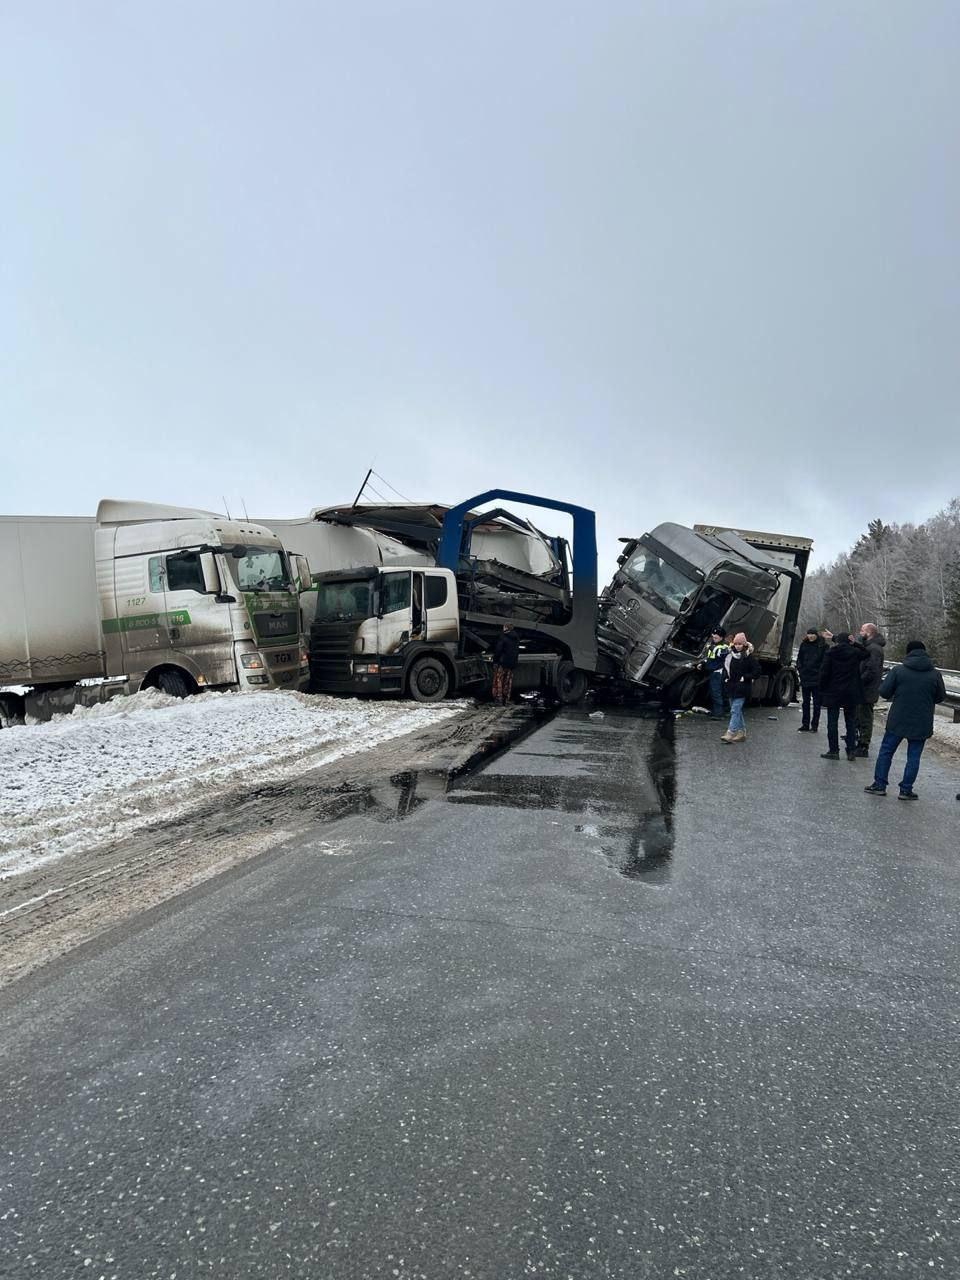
(189, 600)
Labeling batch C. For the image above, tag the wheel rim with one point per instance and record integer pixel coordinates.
(428, 681)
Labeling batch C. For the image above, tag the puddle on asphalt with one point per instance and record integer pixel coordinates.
(389, 799)
(626, 798)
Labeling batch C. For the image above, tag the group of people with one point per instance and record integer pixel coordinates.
(840, 673)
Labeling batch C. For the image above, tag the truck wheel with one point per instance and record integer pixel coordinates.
(174, 683)
(683, 691)
(12, 710)
(428, 681)
(570, 683)
(783, 689)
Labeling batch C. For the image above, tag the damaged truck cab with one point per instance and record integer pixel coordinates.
(674, 586)
(389, 630)
(427, 630)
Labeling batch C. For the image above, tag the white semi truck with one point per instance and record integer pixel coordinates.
(149, 596)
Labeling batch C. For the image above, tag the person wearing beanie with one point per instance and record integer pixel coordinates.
(714, 659)
(740, 668)
(871, 674)
(841, 690)
(913, 689)
(809, 661)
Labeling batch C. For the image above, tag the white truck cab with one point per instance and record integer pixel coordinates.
(141, 596)
(390, 630)
(191, 600)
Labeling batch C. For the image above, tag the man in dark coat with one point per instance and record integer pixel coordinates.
(809, 661)
(871, 673)
(506, 654)
(914, 689)
(841, 690)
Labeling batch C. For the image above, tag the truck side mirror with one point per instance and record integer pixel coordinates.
(303, 580)
(211, 574)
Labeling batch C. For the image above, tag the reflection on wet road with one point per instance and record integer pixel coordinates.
(616, 771)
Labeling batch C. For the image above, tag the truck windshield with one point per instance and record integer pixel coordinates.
(339, 601)
(262, 570)
(657, 580)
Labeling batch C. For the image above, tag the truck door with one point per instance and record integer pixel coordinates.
(440, 608)
(141, 609)
(396, 623)
(198, 626)
(418, 616)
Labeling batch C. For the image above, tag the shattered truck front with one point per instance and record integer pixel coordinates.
(672, 588)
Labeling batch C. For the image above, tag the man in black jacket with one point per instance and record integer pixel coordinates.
(914, 688)
(841, 690)
(506, 654)
(871, 673)
(809, 661)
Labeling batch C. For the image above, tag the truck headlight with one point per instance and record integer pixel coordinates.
(366, 668)
(252, 661)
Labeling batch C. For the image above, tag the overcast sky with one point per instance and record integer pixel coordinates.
(689, 260)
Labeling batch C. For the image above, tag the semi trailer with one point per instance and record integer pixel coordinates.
(147, 596)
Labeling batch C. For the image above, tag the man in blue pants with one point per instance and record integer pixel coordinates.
(717, 651)
(914, 688)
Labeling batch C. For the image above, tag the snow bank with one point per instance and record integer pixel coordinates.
(108, 769)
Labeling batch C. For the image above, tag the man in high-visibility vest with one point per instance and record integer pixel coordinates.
(717, 650)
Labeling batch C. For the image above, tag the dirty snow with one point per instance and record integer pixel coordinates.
(106, 770)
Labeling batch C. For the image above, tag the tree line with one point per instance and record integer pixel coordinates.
(903, 577)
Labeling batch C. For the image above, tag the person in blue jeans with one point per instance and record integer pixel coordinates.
(740, 668)
(716, 654)
(914, 688)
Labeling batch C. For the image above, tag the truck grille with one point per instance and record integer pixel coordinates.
(269, 626)
(331, 655)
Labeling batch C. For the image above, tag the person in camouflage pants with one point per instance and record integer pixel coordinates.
(506, 653)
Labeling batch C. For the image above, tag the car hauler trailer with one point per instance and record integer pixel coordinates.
(148, 595)
(675, 585)
(426, 629)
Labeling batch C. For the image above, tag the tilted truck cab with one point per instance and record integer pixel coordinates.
(675, 585)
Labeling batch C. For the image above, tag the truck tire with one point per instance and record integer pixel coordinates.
(784, 688)
(428, 681)
(174, 682)
(12, 710)
(570, 684)
(682, 692)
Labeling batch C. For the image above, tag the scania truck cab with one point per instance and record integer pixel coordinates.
(427, 630)
(390, 630)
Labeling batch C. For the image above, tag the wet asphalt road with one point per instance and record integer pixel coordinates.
(626, 1003)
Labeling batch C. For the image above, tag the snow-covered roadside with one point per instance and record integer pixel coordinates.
(107, 770)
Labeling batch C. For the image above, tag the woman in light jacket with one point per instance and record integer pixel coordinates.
(740, 668)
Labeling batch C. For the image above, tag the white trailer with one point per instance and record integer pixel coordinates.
(148, 596)
(325, 546)
(50, 629)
